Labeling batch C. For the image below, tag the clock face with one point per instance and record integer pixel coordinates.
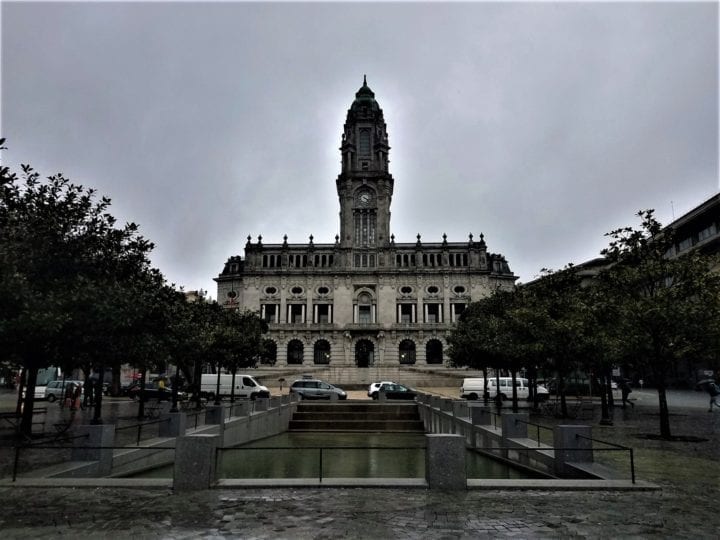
(365, 199)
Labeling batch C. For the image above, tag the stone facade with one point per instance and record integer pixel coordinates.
(364, 300)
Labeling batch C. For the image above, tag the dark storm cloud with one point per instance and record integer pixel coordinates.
(542, 125)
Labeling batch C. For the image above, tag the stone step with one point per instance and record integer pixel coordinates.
(357, 416)
(358, 425)
(307, 416)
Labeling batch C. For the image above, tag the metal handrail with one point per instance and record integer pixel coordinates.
(320, 453)
(534, 424)
(140, 425)
(616, 447)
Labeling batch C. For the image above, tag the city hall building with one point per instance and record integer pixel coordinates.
(367, 299)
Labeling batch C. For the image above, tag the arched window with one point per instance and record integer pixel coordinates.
(434, 352)
(269, 354)
(295, 352)
(407, 351)
(322, 352)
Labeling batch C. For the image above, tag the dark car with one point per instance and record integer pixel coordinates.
(152, 392)
(396, 391)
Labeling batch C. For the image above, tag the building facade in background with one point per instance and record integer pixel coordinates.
(366, 299)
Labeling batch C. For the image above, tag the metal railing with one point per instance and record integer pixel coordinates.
(140, 425)
(42, 444)
(615, 447)
(538, 426)
(321, 451)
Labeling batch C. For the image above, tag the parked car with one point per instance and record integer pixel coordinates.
(316, 389)
(58, 389)
(374, 387)
(152, 392)
(473, 388)
(395, 391)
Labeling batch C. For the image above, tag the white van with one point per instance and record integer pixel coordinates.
(246, 386)
(474, 388)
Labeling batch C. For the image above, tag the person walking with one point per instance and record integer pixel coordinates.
(714, 392)
(625, 390)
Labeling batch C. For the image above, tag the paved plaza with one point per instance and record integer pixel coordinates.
(686, 507)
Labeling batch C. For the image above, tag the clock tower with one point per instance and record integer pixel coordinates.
(364, 185)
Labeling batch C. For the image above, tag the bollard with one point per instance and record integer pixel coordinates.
(445, 462)
(480, 415)
(102, 435)
(173, 424)
(241, 408)
(511, 429)
(214, 414)
(195, 462)
(574, 449)
(261, 404)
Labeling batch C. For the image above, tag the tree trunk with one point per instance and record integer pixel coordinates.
(513, 374)
(611, 398)
(561, 391)
(197, 384)
(605, 419)
(97, 413)
(498, 395)
(141, 406)
(664, 412)
(21, 385)
(115, 387)
(232, 388)
(29, 402)
(485, 385)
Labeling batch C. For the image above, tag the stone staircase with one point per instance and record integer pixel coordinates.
(360, 416)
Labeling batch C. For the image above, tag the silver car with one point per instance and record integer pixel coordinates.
(58, 389)
(316, 389)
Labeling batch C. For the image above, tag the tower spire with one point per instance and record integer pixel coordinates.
(364, 80)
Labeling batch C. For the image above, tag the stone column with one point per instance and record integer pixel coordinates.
(445, 462)
(195, 458)
(89, 448)
(577, 449)
(214, 414)
(173, 425)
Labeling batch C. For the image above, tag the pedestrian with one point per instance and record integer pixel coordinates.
(714, 392)
(77, 392)
(626, 391)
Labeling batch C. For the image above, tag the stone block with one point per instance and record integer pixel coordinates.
(480, 415)
(173, 424)
(445, 462)
(95, 443)
(261, 404)
(214, 414)
(461, 409)
(514, 426)
(576, 448)
(195, 457)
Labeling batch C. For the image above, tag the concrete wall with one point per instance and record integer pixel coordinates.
(504, 436)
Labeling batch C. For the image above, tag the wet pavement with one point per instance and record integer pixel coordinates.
(686, 507)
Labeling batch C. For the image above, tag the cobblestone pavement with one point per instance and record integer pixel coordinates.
(687, 506)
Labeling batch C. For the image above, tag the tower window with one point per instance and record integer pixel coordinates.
(364, 148)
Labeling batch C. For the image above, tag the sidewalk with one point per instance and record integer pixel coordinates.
(685, 508)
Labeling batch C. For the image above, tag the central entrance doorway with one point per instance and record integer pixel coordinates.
(364, 353)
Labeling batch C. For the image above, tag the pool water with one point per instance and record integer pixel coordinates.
(295, 455)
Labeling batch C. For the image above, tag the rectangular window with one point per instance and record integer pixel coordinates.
(457, 311)
(364, 315)
(706, 232)
(433, 313)
(323, 314)
(364, 147)
(685, 244)
(295, 313)
(269, 312)
(405, 313)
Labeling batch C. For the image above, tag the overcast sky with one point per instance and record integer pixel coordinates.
(543, 126)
